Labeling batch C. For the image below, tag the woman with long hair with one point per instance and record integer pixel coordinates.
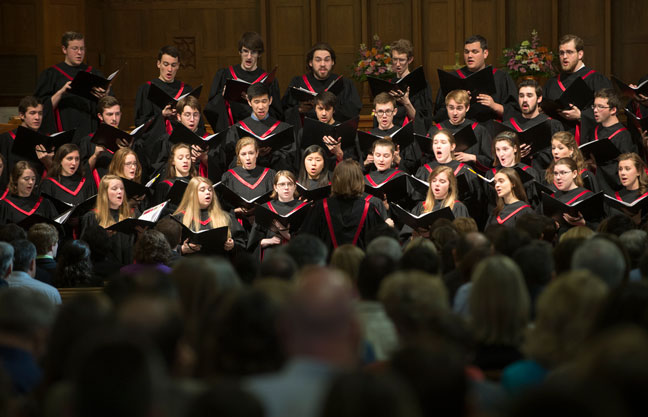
(283, 201)
(346, 216)
(112, 207)
(632, 174)
(65, 180)
(126, 164)
(563, 145)
(511, 198)
(179, 167)
(313, 172)
(20, 200)
(199, 210)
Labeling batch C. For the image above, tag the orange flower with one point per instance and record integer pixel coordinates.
(542, 49)
(374, 51)
(387, 60)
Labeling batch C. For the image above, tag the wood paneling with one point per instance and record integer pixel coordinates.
(586, 18)
(132, 31)
(629, 39)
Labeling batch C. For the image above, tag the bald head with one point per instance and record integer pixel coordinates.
(320, 320)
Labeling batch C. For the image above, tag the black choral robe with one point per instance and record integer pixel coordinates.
(74, 189)
(348, 103)
(249, 184)
(542, 159)
(284, 158)
(510, 213)
(227, 113)
(237, 232)
(422, 102)
(259, 232)
(72, 112)
(342, 220)
(482, 149)
(557, 84)
(14, 209)
(606, 175)
(121, 244)
(506, 95)
(572, 197)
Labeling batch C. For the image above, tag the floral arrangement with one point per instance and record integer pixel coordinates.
(529, 59)
(375, 62)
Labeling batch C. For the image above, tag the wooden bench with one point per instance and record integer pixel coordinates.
(69, 293)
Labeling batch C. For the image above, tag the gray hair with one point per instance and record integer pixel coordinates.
(603, 258)
(6, 258)
(384, 245)
(24, 311)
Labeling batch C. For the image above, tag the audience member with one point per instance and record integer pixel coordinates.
(24, 269)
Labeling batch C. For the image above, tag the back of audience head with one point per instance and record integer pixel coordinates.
(201, 282)
(465, 225)
(278, 264)
(564, 318)
(617, 361)
(537, 265)
(152, 248)
(616, 224)
(247, 266)
(10, 232)
(74, 267)
(387, 246)
(635, 242)
(6, 259)
(225, 398)
(132, 381)
(241, 337)
(320, 320)
(499, 301)
(416, 302)
(347, 258)
(577, 232)
(171, 229)
(537, 226)
(77, 318)
(307, 249)
(508, 239)
(365, 395)
(26, 315)
(159, 320)
(45, 237)
(24, 256)
(421, 258)
(373, 270)
(603, 258)
(437, 377)
(564, 251)
(626, 305)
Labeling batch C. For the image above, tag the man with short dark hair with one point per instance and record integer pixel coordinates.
(261, 123)
(225, 112)
(62, 110)
(486, 108)
(30, 111)
(24, 270)
(606, 107)
(529, 99)
(168, 64)
(571, 53)
(320, 61)
(6, 262)
(411, 106)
